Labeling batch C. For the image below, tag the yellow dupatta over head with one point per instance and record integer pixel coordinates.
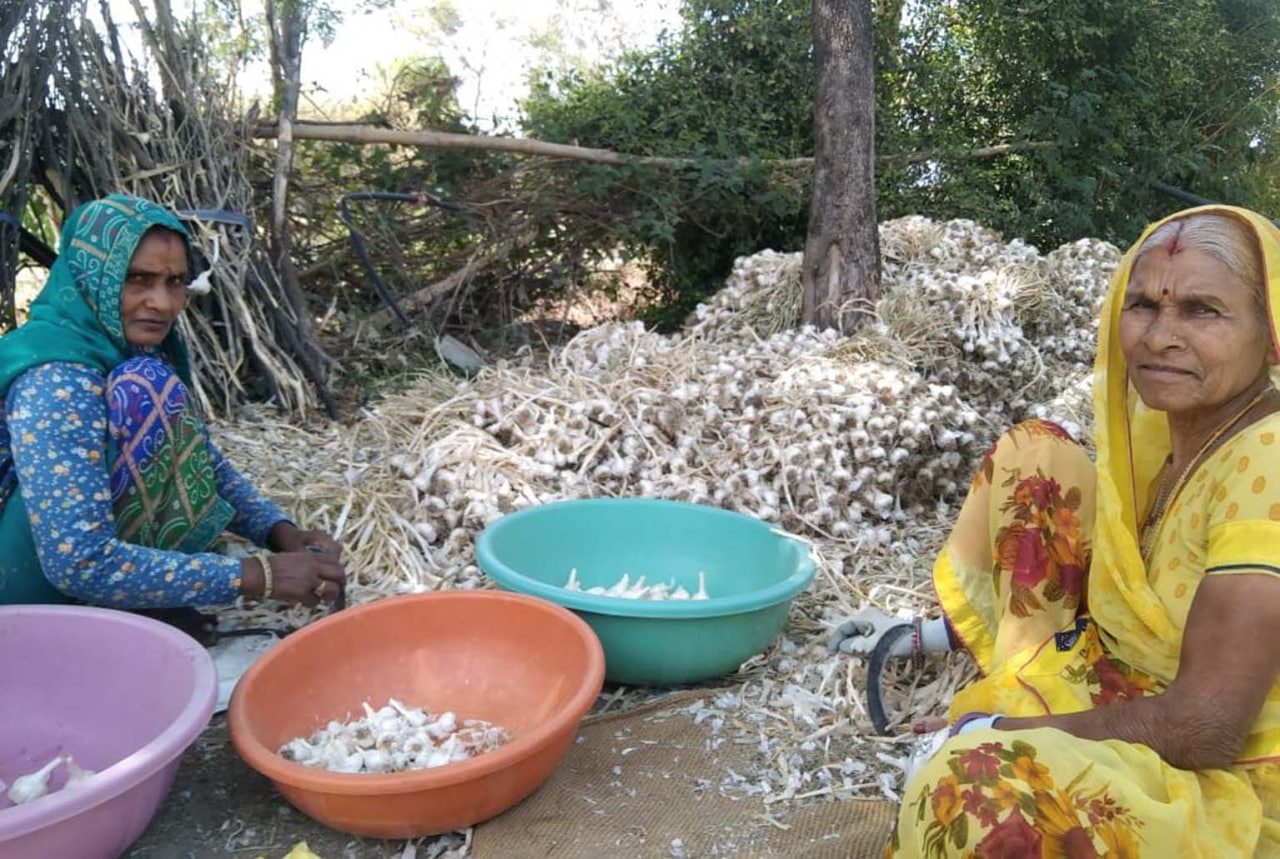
(1133, 623)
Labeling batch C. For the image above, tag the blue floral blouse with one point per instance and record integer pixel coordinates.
(56, 418)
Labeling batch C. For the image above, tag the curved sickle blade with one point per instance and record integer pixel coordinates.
(875, 667)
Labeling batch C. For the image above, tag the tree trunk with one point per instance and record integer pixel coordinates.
(841, 270)
(287, 22)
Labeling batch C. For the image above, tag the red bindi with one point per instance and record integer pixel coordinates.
(1175, 245)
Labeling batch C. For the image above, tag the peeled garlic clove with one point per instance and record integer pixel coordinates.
(443, 726)
(417, 744)
(680, 593)
(75, 774)
(636, 591)
(620, 588)
(339, 760)
(363, 736)
(596, 591)
(375, 760)
(34, 785)
(412, 715)
(702, 587)
(297, 750)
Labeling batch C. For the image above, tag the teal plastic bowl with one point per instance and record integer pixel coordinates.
(752, 574)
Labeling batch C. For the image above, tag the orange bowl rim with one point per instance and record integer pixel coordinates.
(269, 763)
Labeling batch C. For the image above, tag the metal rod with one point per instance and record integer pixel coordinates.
(357, 240)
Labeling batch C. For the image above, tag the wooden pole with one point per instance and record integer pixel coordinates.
(367, 135)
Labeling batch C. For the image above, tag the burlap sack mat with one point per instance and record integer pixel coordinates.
(646, 783)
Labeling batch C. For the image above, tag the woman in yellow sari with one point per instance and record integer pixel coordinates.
(1126, 617)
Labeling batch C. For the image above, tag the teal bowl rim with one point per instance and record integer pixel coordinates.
(783, 591)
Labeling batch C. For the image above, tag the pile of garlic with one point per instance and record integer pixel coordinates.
(831, 438)
(33, 785)
(994, 319)
(625, 589)
(861, 445)
(395, 738)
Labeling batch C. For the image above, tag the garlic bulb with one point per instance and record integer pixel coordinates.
(32, 786)
(394, 738)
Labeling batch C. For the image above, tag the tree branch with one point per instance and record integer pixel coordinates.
(447, 284)
(366, 135)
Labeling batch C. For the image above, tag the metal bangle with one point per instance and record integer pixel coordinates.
(265, 560)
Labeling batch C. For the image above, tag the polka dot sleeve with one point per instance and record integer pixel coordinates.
(58, 423)
(1243, 509)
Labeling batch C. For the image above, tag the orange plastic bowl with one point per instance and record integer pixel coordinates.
(525, 664)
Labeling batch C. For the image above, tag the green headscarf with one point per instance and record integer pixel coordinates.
(76, 318)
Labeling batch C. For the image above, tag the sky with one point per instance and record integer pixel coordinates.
(491, 49)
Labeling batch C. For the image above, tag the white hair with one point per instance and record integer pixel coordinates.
(1222, 237)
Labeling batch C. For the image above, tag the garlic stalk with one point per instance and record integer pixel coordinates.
(32, 786)
(75, 774)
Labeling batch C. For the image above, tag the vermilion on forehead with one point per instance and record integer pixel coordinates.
(1182, 283)
(1175, 245)
(156, 250)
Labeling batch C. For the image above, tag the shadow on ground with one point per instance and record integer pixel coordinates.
(220, 807)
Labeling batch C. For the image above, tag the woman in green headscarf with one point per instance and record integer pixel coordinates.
(111, 492)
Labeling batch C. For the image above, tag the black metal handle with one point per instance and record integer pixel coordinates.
(875, 668)
(357, 240)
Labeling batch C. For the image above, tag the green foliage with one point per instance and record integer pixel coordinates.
(735, 84)
(1130, 90)
(418, 93)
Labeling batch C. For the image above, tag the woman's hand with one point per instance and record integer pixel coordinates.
(861, 632)
(304, 578)
(287, 537)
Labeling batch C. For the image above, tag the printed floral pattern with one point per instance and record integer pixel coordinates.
(1040, 550)
(1032, 429)
(999, 802)
(1110, 680)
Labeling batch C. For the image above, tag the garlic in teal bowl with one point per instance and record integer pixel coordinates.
(717, 586)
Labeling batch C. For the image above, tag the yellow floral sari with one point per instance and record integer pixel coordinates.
(1044, 582)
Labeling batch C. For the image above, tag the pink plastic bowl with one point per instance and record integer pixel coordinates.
(124, 695)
